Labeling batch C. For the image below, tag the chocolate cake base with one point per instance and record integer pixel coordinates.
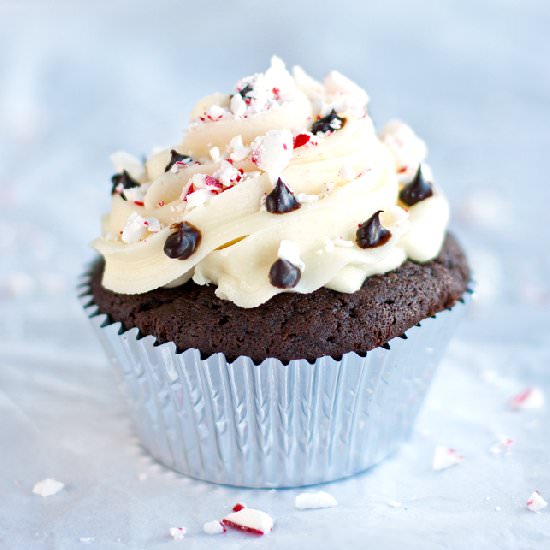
(291, 325)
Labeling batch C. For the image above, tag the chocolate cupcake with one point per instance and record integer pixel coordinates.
(277, 288)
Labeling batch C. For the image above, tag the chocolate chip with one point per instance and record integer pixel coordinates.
(176, 157)
(281, 199)
(417, 190)
(183, 242)
(245, 91)
(283, 274)
(328, 123)
(372, 234)
(121, 182)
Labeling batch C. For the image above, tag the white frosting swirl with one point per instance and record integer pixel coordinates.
(238, 149)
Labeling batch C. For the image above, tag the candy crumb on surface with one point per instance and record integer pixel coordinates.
(536, 503)
(47, 487)
(445, 457)
(529, 398)
(213, 527)
(177, 533)
(312, 500)
(250, 521)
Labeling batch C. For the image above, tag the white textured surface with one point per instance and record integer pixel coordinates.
(80, 81)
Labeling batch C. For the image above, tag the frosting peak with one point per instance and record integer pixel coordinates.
(281, 185)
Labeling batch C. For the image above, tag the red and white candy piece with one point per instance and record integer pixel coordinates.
(445, 457)
(214, 527)
(313, 500)
(503, 445)
(536, 503)
(249, 520)
(177, 533)
(529, 398)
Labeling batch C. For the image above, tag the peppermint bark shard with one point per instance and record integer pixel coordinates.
(183, 242)
(281, 200)
(372, 234)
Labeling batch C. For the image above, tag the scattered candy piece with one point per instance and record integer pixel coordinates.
(529, 398)
(250, 521)
(394, 504)
(213, 527)
(178, 533)
(501, 446)
(47, 487)
(238, 507)
(317, 499)
(445, 457)
(86, 540)
(536, 503)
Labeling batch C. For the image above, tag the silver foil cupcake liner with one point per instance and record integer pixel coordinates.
(274, 425)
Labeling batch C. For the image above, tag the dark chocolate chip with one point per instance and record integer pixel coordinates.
(183, 242)
(281, 199)
(245, 91)
(283, 274)
(176, 157)
(328, 123)
(121, 182)
(417, 190)
(372, 233)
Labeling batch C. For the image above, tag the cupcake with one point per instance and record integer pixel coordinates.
(276, 290)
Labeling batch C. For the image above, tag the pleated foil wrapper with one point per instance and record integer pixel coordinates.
(274, 425)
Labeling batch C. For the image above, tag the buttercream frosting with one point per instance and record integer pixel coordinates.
(318, 139)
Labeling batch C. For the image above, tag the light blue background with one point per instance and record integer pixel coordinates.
(79, 80)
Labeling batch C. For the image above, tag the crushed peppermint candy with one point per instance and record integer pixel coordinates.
(529, 398)
(503, 445)
(205, 182)
(177, 533)
(227, 174)
(313, 500)
(250, 521)
(47, 487)
(214, 153)
(237, 150)
(408, 150)
(301, 139)
(137, 227)
(271, 153)
(305, 198)
(445, 457)
(536, 502)
(214, 527)
(239, 506)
